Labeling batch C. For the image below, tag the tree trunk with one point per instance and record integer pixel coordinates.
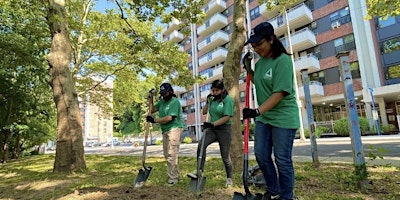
(231, 73)
(69, 150)
(5, 146)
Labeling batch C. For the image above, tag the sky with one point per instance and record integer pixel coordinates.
(102, 5)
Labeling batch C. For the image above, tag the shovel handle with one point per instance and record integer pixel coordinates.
(147, 126)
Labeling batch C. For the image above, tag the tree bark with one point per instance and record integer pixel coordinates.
(69, 149)
(231, 73)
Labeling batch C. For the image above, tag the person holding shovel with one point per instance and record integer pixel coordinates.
(170, 119)
(220, 107)
(277, 117)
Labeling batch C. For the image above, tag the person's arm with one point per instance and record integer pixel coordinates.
(205, 109)
(165, 119)
(222, 120)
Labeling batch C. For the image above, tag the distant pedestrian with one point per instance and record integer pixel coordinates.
(220, 107)
(277, 117)
(170, 119)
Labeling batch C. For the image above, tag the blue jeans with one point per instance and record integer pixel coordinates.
(268, 138)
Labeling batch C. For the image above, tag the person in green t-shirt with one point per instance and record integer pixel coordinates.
(170, 119)
(220, 107)
(277, 117)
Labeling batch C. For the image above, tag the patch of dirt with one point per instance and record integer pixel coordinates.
(148, 193)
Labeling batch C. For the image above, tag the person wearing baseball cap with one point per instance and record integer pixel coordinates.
(170, 119)
(277, 117)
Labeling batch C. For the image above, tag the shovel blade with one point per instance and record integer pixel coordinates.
(142, 177)
(197, 184)
(240, 196)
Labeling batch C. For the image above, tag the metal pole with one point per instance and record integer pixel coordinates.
(252, 92)
(310, 119)
(375, 115)
(196, 85)
(354, 125)
(302, 137)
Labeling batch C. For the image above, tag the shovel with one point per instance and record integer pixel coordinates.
(144, 173)
(197, 184)
(248, 195)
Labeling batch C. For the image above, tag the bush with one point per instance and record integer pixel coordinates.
(306, 133)
(187, 140)
(388, 128)
(320, 130)
(158, 142)
(341, 126)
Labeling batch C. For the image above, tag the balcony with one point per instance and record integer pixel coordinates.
(215, 74)
(175, 36)
(213, 57)
(214, 6)
(298, 16)
(216, 22)
(173, 25)
(213, 41)
(302, 39)
(309, 62)
(183, 102)
(272, 13)
(316, 89)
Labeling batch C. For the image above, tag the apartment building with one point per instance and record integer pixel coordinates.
(96, 126)
(318, 30)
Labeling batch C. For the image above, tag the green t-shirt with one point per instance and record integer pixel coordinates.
(219, 109)
(170, 108)
(276, 75)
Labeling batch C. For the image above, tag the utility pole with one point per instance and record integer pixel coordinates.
(354, 125)
(302, 137)
(375, 115)
(196, 92)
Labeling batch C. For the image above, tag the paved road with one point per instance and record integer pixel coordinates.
(329, 150)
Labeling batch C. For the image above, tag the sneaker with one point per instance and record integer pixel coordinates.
(192, 174)
(172, 181)
(229, 182)
(269, 196)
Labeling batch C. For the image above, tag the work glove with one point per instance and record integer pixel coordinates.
(209, 98)
(250, 113)
(247, 60)
(208, 125)
(150, 119)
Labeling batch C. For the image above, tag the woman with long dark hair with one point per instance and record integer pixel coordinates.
(277, 117)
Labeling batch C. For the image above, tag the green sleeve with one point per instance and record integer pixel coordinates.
(228, 106)
(283, 75)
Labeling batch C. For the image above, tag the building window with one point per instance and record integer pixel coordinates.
(391, 45)
(318, 76)
(345, 43)
(392, 72)
(340, 17)
(386, 22)
(355, 70)
(254, 13)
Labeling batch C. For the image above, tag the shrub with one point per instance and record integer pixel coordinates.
(320, 130)
(388, 128)
(306, 133)
(341, 126)
(187, 140)
(158, 142)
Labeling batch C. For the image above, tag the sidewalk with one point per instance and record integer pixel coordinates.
(387, 160)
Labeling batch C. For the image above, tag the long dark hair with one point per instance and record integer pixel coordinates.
(219, 84)
(276, 46)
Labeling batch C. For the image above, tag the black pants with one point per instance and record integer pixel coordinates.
(223, 135)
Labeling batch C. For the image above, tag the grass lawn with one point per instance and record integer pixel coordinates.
(112, 177)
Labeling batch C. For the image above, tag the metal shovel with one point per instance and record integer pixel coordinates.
(144, 173)
(197, 184)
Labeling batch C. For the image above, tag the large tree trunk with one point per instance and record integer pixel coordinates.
(231, 74)
(69, 150)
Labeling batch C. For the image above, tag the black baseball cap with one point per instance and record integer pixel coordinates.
(259, 32)
(165, 87)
